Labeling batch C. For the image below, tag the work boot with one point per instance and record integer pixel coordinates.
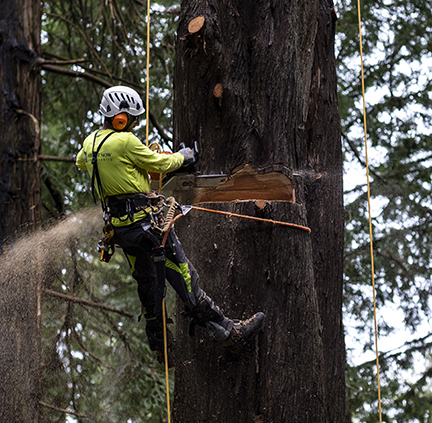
(244, 331)
(206, 314)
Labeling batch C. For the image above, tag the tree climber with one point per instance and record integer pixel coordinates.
(118, 164)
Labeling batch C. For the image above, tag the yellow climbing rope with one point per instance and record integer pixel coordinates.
(369, 211)
(160, 185)
(155, 146)
(148, 74)
(166, 359)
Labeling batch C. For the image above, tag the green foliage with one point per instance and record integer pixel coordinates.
(397, 62)
(98, 363)
(107, 43)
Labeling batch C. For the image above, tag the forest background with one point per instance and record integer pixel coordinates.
(97, 363)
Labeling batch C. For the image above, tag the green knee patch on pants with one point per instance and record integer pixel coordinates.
(131, 260)
(183, 269)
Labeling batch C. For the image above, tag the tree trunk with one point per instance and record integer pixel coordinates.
(324, 202)
(255, 84)
(248, 266)
(20, 207)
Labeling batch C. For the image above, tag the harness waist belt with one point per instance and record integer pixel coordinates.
(129, 205)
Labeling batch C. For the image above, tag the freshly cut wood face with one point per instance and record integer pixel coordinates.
(196, 24)
(218, 90)
(248, 184)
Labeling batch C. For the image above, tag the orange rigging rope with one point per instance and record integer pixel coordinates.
(259, 219)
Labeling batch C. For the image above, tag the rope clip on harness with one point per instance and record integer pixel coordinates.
(106, 245)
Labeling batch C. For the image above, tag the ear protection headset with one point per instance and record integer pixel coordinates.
(120, 121)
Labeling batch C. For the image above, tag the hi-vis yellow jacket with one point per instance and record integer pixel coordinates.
(123, 164)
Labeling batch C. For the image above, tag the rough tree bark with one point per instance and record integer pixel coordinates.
(324, 203)
(19, 205)
(255, 83)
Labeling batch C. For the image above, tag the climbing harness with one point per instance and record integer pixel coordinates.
(95, 172)
(124, 207)
(106, 245)
(369, 211)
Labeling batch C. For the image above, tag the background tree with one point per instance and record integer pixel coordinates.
(20, 116)
(98, 363)
(397, 47)
(20, 207)
(87, 47)
(256, 84)
(75, 354)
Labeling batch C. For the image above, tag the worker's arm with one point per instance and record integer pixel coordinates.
(144, 158)
(80, 160)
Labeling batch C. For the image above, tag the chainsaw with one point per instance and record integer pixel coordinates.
(186, 182)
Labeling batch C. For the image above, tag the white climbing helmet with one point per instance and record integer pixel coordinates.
(120, 99)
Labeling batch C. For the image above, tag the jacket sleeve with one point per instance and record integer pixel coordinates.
(80, 160)
(144, 158)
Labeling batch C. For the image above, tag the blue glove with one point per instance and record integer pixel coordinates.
(189, 156)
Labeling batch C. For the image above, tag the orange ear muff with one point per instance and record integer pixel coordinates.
(120, 121)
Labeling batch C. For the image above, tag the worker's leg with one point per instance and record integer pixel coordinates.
(144, 272)
(138, 250)
(185, 280)
(199, 306)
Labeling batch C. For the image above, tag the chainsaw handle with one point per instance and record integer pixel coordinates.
(194, 149)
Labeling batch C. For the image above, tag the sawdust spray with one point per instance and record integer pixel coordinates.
(34, 255)
(27, 266)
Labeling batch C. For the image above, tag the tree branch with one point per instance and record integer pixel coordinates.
(81, 344)
(86, 68)
(76, 74)
(360, 160)
(393, 258)
(88, 303)
(64, 62)
(56, 159)
(104, 83)
(64, 411)
(85, 38)
(55, 194)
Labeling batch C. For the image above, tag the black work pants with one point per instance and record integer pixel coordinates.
(140, 244)
(139, 248)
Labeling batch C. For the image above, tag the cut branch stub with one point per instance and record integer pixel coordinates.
(196, 24)
(218, 90)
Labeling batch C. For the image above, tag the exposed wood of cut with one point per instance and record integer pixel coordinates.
(196, 24)
(217, 91)
(247, 184)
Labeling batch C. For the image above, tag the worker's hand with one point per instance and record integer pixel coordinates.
(189, 156)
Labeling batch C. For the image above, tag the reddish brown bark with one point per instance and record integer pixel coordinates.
(20, 207)
(257, 84)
